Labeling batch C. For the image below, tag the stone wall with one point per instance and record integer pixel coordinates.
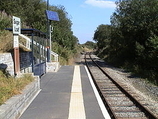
(15, 106)
(7, 59)
(52, 66)
(25, 62)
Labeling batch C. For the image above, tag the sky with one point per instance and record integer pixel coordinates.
(86, 15)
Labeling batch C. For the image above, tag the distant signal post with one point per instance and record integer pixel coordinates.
(16, 32)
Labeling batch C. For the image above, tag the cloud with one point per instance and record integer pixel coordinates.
(101, 3)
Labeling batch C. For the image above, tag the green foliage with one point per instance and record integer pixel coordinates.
(5, 21)
(102, 37)
(64, 53)
(30, 11)
(64, 42)
(90, 45)
(32, 14)
(62, 33)
(133, 37)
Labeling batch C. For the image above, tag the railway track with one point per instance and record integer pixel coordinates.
(119, 102)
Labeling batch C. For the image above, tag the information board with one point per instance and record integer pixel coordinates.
(16, 25)
(16, 41)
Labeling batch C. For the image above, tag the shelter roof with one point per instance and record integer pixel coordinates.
(35, 32)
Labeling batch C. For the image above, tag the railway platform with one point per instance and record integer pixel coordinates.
(67, 94)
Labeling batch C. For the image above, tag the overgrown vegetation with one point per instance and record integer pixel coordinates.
(90, 45)
(131, 40)
(6, 41)
(32, 14)
(10, 86)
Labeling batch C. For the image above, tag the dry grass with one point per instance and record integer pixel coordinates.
(11, 86)
(6, 37)
(6, 41)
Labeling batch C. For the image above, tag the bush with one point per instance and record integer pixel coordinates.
(5, 21)
(6, 41)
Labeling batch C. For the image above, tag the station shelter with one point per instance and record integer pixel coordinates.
(33, 51)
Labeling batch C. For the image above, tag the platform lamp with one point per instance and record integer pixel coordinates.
(51, 16)
(47, 27)
(47, 4)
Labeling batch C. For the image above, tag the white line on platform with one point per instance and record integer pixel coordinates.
(100, 102)
(76, 109)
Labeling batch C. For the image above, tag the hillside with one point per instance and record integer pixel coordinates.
(63, 41)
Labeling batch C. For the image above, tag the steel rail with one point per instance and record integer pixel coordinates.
(109, 109)
(148, 113)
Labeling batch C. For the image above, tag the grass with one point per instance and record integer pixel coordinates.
(6, 40)
(11, 86)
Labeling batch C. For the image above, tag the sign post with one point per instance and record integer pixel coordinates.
(16, 32)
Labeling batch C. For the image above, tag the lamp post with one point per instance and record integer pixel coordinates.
(47, 4)
(50, 40)
(48, 36)
(51, 16)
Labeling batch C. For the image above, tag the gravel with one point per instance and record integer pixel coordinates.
(144, 90)
(141, 87)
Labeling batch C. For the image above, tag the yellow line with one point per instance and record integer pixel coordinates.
(76, 109)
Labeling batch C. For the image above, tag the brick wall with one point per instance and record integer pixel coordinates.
(16, 105)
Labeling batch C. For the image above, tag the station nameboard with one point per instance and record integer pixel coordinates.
(51, 15)
(16, 25)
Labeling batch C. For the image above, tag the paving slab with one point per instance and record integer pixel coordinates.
(54, 99)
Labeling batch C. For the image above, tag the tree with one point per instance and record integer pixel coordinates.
(90, 45)
(133, 36)
(62, 30)
(32, 13)
(102, 36)
(135, 22)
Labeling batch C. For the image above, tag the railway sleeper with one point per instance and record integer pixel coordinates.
(123, 104)
(122, 108)
(106, 86)
(122, 98)
(112, 92)
(110, 89)
(127, 110)
(106, 82)
(116, 98)
(133, 118)
(130, 115)
(112, 95)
